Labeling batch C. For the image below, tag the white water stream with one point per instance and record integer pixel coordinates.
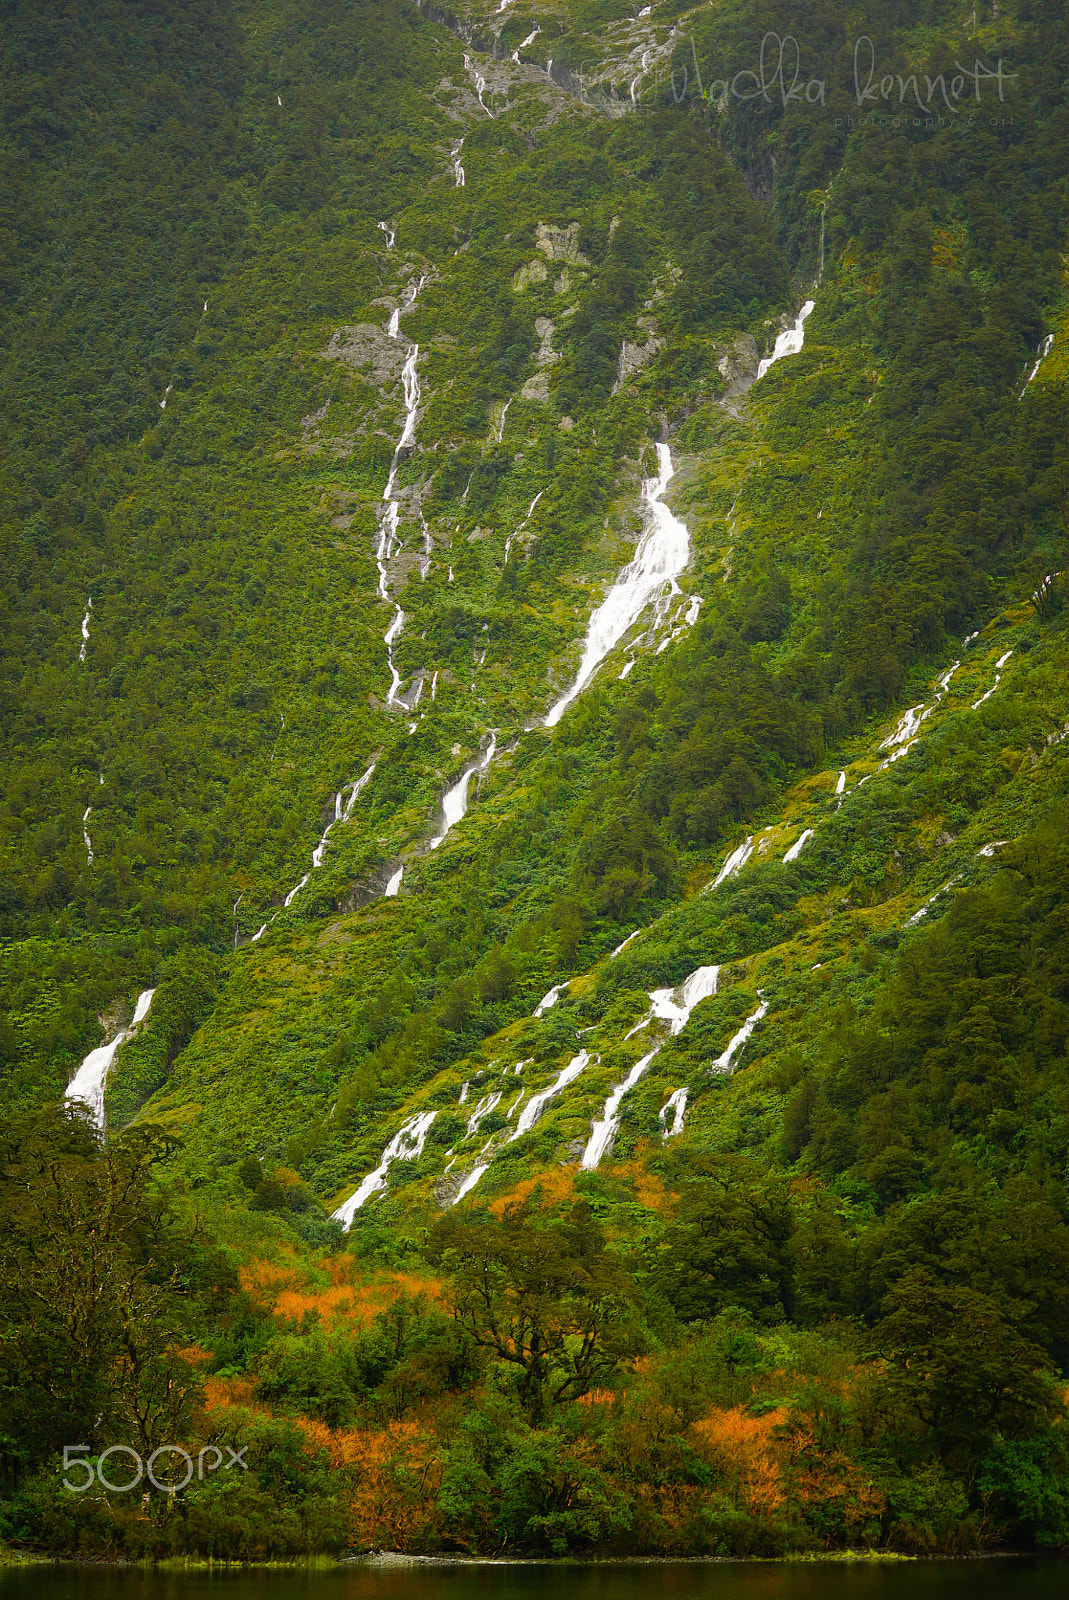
(798, 846)
(999, 664)
(407, 1145)
(735, 861)
(673, 1006)
(662, 554)
(458, 170)
(549, 1000)
(85, 836)
(724, 1063)
(789, 342)
(677, 1105)
(342, 813)
(85, 627)
(1045, 347)
(388, 526)
(487, 1104)
(530, 39)
(89, 1082)
(479, 81)
(537, 1103)
(455, 800)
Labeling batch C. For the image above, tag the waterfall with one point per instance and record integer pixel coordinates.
(536, 1105)
(673, 1006)
(530, 39)
(662, 554)
(455, 800)
(407, 1145)
(735, 861)
(677, 1105)
(388, 526)
(724, 1063)
(90, 1081)
(789, 342)
(999, 664)
(799, 844)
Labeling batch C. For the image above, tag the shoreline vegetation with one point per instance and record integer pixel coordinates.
(534, 675)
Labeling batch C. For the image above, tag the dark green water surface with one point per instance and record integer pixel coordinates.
(914, 1580)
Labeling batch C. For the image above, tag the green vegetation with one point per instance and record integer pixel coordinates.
(819, 1304)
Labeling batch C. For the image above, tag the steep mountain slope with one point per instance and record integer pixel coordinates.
(536, 628)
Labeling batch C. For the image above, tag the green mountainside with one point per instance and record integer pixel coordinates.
(682, 1044)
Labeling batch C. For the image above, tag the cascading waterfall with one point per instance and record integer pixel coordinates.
(341, 814)
(723, 1065)
(455, 800)
(673, 1006)
(471, 1180)
(677, 1105)
(637, 79)
(799, 845)
(85, 836)
(537, 1104)
(1045, 347)
(662, 554)
(390, 234)
(458, 170)
(530, 39)
(735, 861)
(85, 627)
(549, 1000)
(90, 1081)
(407, 1145)
(999, 664)
(487, 1104)
(480, 82)
(523, 524)
(789, 342)
(388, 526)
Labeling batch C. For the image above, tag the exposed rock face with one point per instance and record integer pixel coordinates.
(370, 350)
(561, 244)
(738, 365)
(633, 357)
(534, 273)
(537, 388)
(558, 244)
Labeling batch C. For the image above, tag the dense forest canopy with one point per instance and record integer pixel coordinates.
(342, 348)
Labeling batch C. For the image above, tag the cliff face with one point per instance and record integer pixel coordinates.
(535, 617)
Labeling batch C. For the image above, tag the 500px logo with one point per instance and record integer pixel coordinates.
(74, 1460)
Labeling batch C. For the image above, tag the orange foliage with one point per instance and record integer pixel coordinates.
(649, 1190)
(393, 1474)
(819, 1476)
(557, 1186)
(193, 1354)
(595, 1397)
(743, 1447)
(291, 1294)
(222, 1393)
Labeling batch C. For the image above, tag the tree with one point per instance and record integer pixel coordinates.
(96, 1282)
(543, 1294)
(728, 1245)
(955, 1363)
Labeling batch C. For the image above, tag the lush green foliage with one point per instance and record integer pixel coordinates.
(831, 1309)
